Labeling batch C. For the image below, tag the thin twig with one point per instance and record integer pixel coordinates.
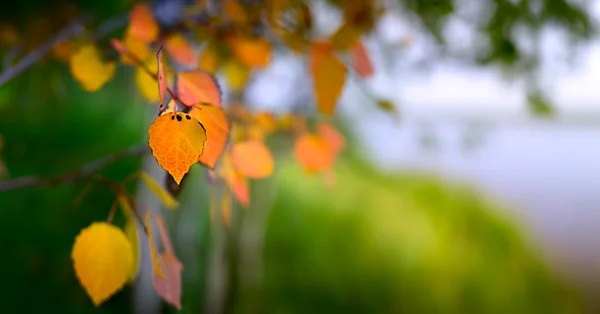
(83, 172)
(71, 30)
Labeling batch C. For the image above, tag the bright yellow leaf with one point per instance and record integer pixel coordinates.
(252, 52)
(136, 47)
(89, 69)
(237, 74)
(216, 124)
(177, 141)
(153, 252)
(103, 260)
(253, 159)
(131, 232)
(142, 24)
(329, 76)
(162, 194)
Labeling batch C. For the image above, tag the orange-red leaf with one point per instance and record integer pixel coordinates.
(252, 52)
(180, 49)
(169, 287)
(329, 134)
(164, 234)
(196, 87)
(237, 183)
(217, 132)
(314, 153)
(329, 76)
(162, 80)
(253, 159)
(177, 141)
(360, 60)
(142, 24)
(153, 254)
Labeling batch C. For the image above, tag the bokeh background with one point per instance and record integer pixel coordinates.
(477, 196)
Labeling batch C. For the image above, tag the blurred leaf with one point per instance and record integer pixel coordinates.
(177, 141)
(132, 236)
(135, 46)
(237, 75)
(142, 24)
(158, 191)
(169, 286)
(162, 78)
(329, 76)
(103, 260)
(195, 87)
(236, 182)
(361, 60)
(252, 52)
(253, 159)
(540, 105)
(180, 49)
(89, 69)
(208, 59)
(313, 153)
(153, 254)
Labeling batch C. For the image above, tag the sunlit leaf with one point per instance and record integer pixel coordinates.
(252, 52)
(177, 141)
(217, 132)
(360, 60)
(208, 59)
(253, 159)
(162, 79)
(237, 75)
(329, 76)
(169, 286)
(145, 82)
(236, 182)
(179, 48)
(195, 87)
(335, 140)
(153, 253)
(103, 260)
(89, 69)
(135, 46)
(142, 24)
(345, 37)
(313, 153)
(162, 194)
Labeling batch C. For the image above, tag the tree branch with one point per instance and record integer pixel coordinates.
(82, 172)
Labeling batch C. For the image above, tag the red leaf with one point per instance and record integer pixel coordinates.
(360, 60)
(162, 82)
(169, 288)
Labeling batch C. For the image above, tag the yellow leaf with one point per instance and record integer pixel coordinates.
(237, 74)
(252, 52)
(345, 37)
(208, 60)
(329, 76)
(142, 24)
(136, 47)
(103, 259)
(146, 84)
(216, 124)
(253, 159)
(177, 141)
(161, 193)
(153, 247)
(89, 69)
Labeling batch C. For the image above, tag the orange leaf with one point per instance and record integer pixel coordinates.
(237, 183)
(177, 141)
(196, 87)
(162, 80)
(180, 49)
(253, 159)
(157, 269)
(313, 153)
(169, 286)
(329, 134)
(360, 60)
(217, 132)
(252, 52)
(345, 37)
(329, 76)
(142, 24)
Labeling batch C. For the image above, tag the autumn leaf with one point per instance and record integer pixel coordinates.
(132, 236)
(335, 140)
(180, 49)
(329, 75)
(162, 194)
(313, 153)
(135, 47)
(103, 260)
(237, 74)
(142, 24)
(146, 82)
(345, 37)
(208, 59)
(153, 254)
(195, 87)
(89, 69)
(217, 132)
(169, 286)
(177, 141)
(253, 159)
(236, 182)
(164, 234)
(252, 52)
(360, 60)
